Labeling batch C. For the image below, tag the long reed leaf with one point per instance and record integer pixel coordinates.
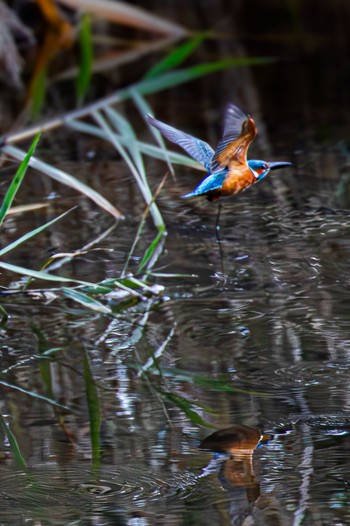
(42, 275)
(186, 406)
(121, 124)
(139, 177)
(64, 178)
(175, 78)
(148, 149)
(176, 57)
(86, 301)
(31, 234)
(44, 364)
(161, 232)
(17, 180)
(168, 80)
(144, 109)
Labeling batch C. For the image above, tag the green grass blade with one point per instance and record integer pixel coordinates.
(86, 301)
(134, 244)
(161, 230)
(15, 449)
(121, 124)
(31, 234)
(216, 384)
(144, 108)
(141, 181)
(44, 365)
(176, 57)
(38, 93)
(146, 148)
(86, 58)
(114, 139)
(186, 406)
(17, 180)
(133, 282)
(175, 78)
(64, 178)
(93, 404)
(151, 250)
(42, 275)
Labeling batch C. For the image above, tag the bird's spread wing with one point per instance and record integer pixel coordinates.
(213, 182)
(197, 149)
(239, 132)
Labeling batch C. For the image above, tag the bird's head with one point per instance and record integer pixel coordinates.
(262, 168)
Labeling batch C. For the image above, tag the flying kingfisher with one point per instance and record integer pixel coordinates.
(229, 172)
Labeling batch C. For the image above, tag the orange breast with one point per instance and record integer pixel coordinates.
(237, 180)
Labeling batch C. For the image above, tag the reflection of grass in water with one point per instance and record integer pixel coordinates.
(93, 404)
(15, 450)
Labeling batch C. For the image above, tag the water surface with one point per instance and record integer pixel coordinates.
(255, 332)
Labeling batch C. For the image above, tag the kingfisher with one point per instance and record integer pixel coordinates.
(229, 171)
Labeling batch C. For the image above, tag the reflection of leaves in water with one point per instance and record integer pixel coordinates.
(93, 408)
(187, 407)
(16, 452)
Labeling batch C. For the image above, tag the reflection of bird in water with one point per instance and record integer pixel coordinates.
(228, 168)
(239, 443)
(235, 470)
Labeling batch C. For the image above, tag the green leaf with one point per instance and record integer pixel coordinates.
(186, 406)
(124, 127)
(44, 365)
(140, 177)
(42, 275)
(86, 58)
(150, 251)
(30, 234)
(38, 93)
(175, 78)
(176, 57)
(17, 180)
(148, 149)
(64, 178)
(93, 404)
(86, 301)
(222, 385)
(144, 108)
(15, 449)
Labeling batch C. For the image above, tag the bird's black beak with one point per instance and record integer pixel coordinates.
(275, 166)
